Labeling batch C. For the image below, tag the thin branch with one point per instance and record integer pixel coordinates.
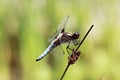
(84, 37)
(75, 54)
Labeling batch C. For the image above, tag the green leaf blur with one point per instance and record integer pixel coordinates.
(26, 26)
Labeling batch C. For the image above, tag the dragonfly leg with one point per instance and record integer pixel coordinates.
(78, 42)
(68, 48)
(75, 42)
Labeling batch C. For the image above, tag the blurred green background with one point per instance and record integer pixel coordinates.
(26, 25)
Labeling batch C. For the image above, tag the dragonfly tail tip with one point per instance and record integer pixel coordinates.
(37, 59)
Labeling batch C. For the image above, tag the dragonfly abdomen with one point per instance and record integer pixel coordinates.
(50, 47)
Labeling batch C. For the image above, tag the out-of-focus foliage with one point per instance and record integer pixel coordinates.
(25, 26)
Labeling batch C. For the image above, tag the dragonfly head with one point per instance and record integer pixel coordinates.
(75, 35)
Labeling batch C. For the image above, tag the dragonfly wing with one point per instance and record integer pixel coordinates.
(62, 25)
(53, 36)
(58, 52)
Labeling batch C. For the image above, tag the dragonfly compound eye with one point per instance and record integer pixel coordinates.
(75, 35)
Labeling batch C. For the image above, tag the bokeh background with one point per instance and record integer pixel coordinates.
(26, 26)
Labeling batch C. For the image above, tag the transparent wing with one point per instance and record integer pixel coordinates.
(62, 25)
(53, 36)
(58, 52)
(61, 28)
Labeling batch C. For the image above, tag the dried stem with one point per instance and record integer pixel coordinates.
(75, 54)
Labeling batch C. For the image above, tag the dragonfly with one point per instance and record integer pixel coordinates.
(61, 38)
(75, 54)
